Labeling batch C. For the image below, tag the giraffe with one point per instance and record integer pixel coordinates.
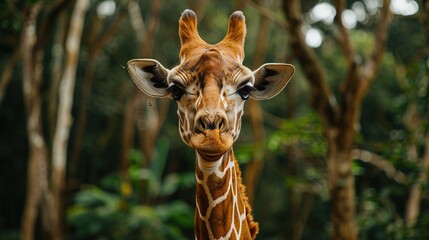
(210, 87)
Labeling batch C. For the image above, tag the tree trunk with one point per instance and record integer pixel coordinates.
(147, 115)
(128, 124)
(37, 160)
(339, 120)
(64, 118)
(94, 30)
(39, 196)
(255, 115)
(127, 134)
(95, 44)
(415, 197)
(341, 189)
(57, 71)
(255, 167)
(412, 120)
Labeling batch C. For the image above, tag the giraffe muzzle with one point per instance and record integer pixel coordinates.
(213, 121)
(211, 137)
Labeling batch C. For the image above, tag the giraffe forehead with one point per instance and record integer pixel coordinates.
(211, 64)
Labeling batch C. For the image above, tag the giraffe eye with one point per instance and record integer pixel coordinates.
(176, 92)
(244, 92)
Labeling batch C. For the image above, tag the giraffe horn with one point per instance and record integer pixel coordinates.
(236, 28)
(188, 27)
(236, 33)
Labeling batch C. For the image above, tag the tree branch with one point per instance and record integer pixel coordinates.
(147, 45)
(358, 79)
(380, 163)
(46, 25)
(136, 19)
(111, 31)
(372, 65)
(8, 70)
(322, 99)
(346, 45)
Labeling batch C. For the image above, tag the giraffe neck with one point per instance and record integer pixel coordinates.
(222, 210)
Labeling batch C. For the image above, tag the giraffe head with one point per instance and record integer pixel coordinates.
(210, 85)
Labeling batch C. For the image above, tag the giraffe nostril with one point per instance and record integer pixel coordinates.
(223, 125)
(220, 125)
(208, 122)
(200, 126)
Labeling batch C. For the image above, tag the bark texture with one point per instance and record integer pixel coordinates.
(340, 119)
(44, 193)
(37, 160)
(64, 118)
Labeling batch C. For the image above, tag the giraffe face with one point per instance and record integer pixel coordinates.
(210, 85)
(210, 90)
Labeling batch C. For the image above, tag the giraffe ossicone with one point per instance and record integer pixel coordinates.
(210, 87)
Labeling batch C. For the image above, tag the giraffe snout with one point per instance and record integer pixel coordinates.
(211, 121)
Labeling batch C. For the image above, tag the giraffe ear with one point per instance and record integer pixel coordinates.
(149, 76)
(270, 79)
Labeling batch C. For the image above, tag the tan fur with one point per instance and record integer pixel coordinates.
(210, 86)
(220, 217)
(253, 226)
(236, 34)
(189, 38)
(211, 60)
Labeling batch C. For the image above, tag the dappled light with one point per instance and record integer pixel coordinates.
(313, 37)
(404, 7)
(360, 12)
(323, 12)
(106, 8)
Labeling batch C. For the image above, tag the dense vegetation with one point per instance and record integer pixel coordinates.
(126, 173)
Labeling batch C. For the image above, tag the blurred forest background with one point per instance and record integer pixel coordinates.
(343, 151)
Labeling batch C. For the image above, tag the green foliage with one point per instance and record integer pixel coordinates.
(114, 211)
(245, 152)
(305, 132)
(422, 225)
(294, 180)
(407, 34)
(99, 214)
(379, 218)
(378, 212)
(10, 235)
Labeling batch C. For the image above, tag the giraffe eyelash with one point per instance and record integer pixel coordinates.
(177, 90)
(245, 87)
(245, 91)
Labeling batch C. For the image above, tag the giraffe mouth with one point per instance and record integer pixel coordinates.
(211, 143)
